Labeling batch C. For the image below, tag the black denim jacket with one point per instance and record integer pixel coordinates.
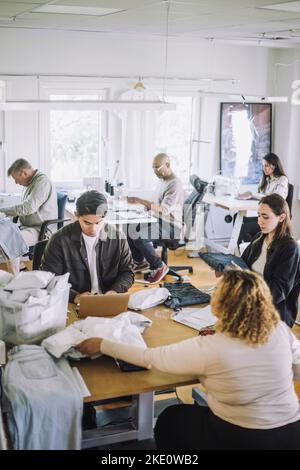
(281, 273)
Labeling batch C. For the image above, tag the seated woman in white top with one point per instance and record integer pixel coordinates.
(247, 368)
(273, 181)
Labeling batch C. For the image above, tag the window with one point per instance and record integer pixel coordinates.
(174, 134)
(75, 138)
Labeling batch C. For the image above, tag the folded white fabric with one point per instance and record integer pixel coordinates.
(148, 298)
(58, 282)
(33, 306)
(124, 328)
(5, 278)
(22, 295)
(62, 341)
(30, 280)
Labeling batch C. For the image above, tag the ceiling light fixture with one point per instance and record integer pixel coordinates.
(121, 105)
(244, 98)
(139, 86)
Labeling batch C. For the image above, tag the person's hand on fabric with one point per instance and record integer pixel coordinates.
(89, 347)
(246, 195)
(110, 292)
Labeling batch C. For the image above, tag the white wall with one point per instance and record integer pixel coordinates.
(286, 69)
(45, 52)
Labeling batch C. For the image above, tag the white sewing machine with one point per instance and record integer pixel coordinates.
(226, 185)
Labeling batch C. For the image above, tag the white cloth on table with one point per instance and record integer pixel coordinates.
(148, 298)
(126, 327)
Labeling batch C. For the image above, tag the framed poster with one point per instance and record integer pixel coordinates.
(245, 138)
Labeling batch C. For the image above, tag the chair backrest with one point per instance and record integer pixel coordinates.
(289, 198)
(38, 251)
(190, 203)
(61, 204)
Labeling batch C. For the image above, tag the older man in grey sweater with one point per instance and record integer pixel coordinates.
(39, 202)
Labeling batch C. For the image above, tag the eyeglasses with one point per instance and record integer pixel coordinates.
(158, 169)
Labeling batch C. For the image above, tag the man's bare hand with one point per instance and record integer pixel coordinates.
(77, 297)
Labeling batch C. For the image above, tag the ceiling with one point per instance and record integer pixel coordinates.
(234, 21)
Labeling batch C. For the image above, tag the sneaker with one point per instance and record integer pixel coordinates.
(156, 275)
(137, 267)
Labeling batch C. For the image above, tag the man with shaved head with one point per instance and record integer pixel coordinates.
(167, 207)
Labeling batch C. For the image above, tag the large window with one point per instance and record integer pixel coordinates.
(174, 134)
(75, 138)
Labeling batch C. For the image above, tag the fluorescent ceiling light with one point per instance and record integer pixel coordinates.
(86, 105)
(289, 6)
(74, 10)
(245, 98)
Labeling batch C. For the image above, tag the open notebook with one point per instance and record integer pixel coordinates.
(196, 318)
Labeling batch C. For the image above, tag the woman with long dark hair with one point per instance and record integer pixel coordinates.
(274, 254)
(273, 181)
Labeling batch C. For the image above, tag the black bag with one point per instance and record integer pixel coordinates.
(183, 294)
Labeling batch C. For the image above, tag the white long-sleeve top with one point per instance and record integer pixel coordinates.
(278, 185)
(248, 386)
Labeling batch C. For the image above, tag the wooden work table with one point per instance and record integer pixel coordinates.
(105, 380)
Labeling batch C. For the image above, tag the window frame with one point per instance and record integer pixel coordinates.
(73, 87)
(180, 88)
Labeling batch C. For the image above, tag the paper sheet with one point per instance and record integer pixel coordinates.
(196, 318)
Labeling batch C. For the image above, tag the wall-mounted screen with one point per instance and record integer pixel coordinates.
(245, 138)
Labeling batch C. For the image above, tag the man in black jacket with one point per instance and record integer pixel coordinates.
(96, 254)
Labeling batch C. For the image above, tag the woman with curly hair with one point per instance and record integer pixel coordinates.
(247, 368)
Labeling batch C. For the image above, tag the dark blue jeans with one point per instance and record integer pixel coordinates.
(140, 241)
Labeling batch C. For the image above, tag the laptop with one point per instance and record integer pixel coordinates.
(103, 305)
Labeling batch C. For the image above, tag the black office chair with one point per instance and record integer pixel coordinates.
(189, 214)
(289, 198)
(38, 250)
(61, 205)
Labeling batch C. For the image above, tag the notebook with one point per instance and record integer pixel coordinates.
(103, 305)
(219, 261)
(196, 318)
(127, 367)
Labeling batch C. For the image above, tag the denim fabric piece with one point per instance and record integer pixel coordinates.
(11, 240)
(44, 403)
(219, 261)
(183, 294)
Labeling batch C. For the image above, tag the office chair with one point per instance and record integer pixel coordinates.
(189, 214)
(61, 204)
(289, 198)
(38, 250)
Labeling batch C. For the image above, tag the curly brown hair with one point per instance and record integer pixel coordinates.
(244, 307)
